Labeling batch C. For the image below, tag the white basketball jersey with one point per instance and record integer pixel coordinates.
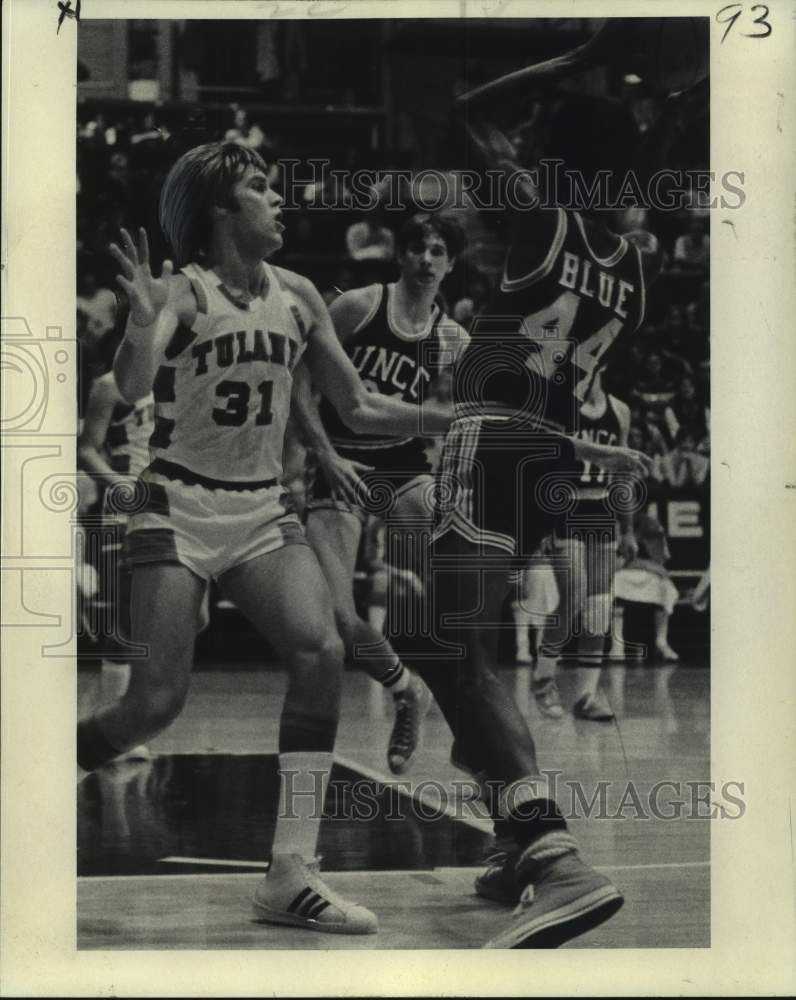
(222, 393)
(127, 439)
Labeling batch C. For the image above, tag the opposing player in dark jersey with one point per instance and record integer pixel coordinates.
(568, 290)
(402, 345)
(584, 549)
(218, 344)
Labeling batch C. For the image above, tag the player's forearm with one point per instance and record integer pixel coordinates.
(375, 414)
(309, 423)
(89, 459)
(136, 359)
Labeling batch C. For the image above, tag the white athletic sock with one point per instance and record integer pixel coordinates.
(303, 780)
(114, 681)
(586, 680)
(546, 667)
(402, 683)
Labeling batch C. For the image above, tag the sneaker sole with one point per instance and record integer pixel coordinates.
(264, 914)
(554, 928)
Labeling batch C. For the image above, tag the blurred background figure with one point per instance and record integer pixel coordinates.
(645, 580)
(692, 249)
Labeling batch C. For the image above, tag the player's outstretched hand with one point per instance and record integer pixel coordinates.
(146, 293)
(626, 460)
(343, 475)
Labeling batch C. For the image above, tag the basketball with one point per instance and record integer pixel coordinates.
(674, 52)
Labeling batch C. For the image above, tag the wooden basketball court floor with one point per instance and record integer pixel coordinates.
(170, 850)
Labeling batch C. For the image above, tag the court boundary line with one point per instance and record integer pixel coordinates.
(388, 872)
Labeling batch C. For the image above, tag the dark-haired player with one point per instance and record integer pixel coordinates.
(402, 345)
(568, 291)
(218, 344)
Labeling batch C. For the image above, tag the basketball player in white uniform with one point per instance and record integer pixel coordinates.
(114, 447)
(218, 344)
(404, 346)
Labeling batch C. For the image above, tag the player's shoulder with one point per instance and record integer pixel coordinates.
(294, 282)
(356, 307)
(183, 298)
(302, 292)
(452, 332)
(360, 299)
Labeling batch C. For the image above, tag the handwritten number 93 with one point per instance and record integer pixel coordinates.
(724, 16)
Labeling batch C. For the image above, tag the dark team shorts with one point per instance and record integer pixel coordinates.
(503, 487)
(393, 472)
(210, 531)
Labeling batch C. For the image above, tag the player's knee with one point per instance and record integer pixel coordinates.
(320, 653)
(162, 705)
(597, 614)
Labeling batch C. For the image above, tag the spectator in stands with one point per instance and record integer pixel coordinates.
(245, 133)
(685, 465)
(149, 131)
(369, 240)
(645, 580)
(685, 410)
(98, 305)
(655, 387)
(692, 249)
(698, 312)
(645, 436)
(681, 345)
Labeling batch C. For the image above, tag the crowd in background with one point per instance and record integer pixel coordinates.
(663, 372)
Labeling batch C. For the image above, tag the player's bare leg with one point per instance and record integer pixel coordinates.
(334, 536)
(285, 596)
(590, 703)
(166, 601)
(569, 567)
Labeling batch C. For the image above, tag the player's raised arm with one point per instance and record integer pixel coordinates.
(334, 375)
(157, 306)
(611, 37)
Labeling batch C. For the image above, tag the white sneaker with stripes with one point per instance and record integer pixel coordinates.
(293, 893)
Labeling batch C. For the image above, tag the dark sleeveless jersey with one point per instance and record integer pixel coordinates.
(393, 363)
(532, 355)
(604, 429)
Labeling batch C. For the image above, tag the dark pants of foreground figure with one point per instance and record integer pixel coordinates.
(466, 590)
